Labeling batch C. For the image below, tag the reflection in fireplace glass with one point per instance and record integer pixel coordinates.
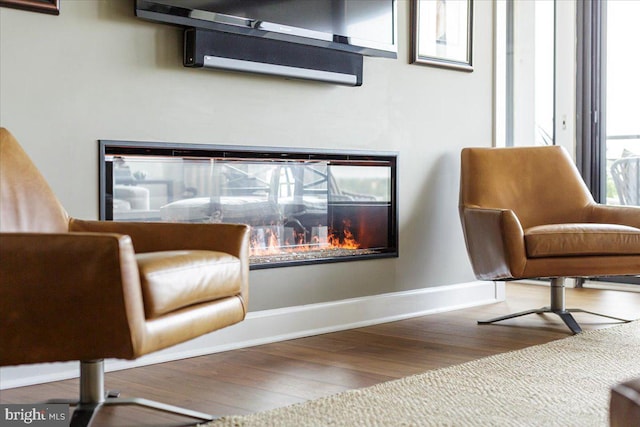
(301, 207)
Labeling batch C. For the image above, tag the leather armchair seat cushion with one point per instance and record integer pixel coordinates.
(581, 239)
(172, 280)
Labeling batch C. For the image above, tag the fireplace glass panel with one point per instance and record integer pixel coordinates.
(301, 207)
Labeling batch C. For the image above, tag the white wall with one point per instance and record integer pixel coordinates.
(98, 72)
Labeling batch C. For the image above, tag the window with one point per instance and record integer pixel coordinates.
(525, 64)
(609, 137)
(608, 143)
(535, 73)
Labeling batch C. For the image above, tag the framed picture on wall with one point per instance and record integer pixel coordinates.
(45, 6)
(442, 33)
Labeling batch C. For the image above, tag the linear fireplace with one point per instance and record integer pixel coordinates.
(303, 206)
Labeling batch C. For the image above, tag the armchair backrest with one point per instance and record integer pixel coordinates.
(540, 184)
(27, 203)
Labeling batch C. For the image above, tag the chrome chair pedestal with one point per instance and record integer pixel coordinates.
(557, 294)
(93, 397)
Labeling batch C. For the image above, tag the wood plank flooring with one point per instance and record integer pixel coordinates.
(274, 375)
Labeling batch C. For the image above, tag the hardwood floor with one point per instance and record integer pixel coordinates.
(274, 375)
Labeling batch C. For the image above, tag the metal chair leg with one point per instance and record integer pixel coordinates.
(569, 320)
(93, 397)
(579, 310)
(514, 315)
(557, 296)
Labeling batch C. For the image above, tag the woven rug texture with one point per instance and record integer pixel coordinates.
(561, 383)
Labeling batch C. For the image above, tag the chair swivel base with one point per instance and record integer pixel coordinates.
(557, 296)
(565, 315)
(93, 397)
(84, 412)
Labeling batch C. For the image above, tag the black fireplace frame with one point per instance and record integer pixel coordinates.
(109, 148)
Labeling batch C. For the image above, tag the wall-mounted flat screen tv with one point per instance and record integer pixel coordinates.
(367, 27)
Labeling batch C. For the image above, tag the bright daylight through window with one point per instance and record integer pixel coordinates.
(622, 109)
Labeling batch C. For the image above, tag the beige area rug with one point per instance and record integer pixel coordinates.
(562, 383)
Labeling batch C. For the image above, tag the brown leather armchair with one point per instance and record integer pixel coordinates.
(90, 290)
(624, 404)
(526, 213)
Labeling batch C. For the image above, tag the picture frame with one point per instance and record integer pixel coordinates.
(442, 33)
(51, 7)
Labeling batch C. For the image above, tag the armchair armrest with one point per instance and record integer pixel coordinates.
(160, 236)
(495, 242)
(608, 214)
(232, 239)
(58, 289)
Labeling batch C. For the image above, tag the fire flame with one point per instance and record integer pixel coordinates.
(348, 241)
(267, 243)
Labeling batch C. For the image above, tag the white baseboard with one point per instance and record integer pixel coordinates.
(281, 324)
(612, 286)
